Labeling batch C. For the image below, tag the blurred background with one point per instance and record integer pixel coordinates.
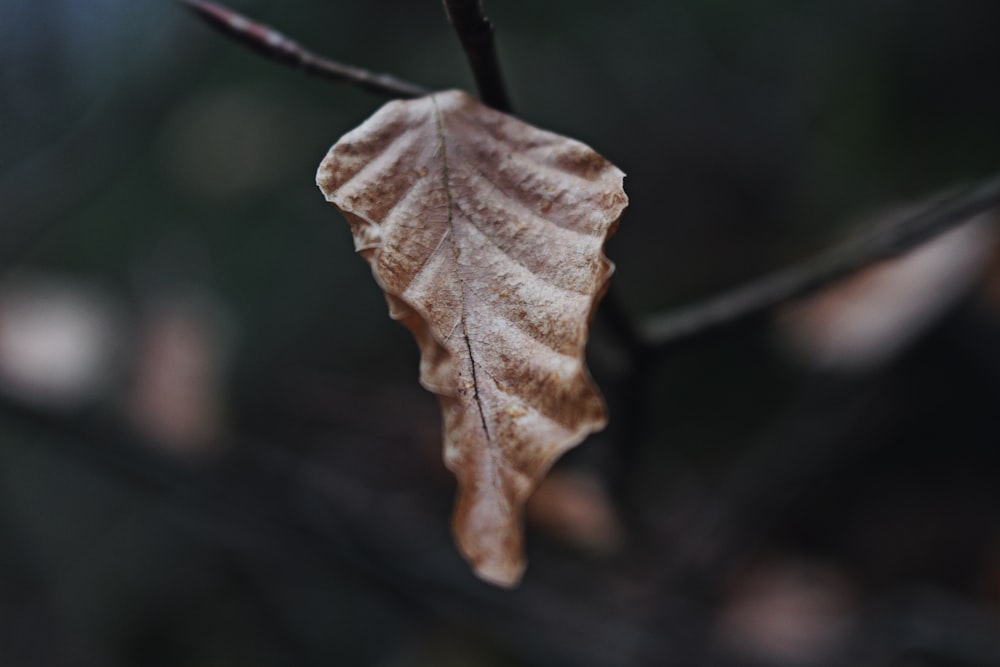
(213, 447)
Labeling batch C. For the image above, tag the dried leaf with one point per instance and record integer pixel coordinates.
(487, 236)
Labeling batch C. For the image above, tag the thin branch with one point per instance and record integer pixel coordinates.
(272, 44)
(877, 244)
(475, 32)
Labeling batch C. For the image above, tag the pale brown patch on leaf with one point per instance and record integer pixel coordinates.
(487, 236)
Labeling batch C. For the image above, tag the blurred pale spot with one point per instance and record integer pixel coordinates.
(787, 612)
(574, 508)
(59, 342)
(176, 397)
(867, 318)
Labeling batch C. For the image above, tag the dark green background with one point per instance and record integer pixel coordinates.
(142, 154)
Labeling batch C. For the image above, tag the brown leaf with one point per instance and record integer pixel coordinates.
(487, 236)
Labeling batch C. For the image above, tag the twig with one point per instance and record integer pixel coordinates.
(276, 46)
(632, 410)
(882, 242)
(475, 32)
(476, 35)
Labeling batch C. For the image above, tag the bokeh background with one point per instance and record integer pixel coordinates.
(213, 449)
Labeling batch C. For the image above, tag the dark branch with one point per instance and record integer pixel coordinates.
(882, 242)
(272, 44)
(475, 32)
(476, 35)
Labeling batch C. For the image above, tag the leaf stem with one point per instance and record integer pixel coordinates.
(271, 44)
(476, 34)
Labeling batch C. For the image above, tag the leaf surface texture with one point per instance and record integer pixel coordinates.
(487, 236)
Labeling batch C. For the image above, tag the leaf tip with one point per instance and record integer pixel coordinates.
(503, 573)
